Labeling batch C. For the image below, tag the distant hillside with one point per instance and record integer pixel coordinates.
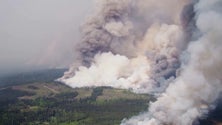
(56, 104)
(35, 98)
(47, 75)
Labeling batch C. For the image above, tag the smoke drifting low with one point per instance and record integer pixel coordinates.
(170, 49)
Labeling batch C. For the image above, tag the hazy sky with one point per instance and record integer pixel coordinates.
(39, 33)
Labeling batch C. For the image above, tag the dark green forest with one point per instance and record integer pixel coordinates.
(64, 109)
(36, 99)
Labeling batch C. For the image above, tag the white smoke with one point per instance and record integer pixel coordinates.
(138, 45)
(112, 70)
(115, 32)
(119, 71)
(195, 91)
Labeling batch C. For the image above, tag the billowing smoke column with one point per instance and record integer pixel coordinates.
(131, 44)
(194, 92)
(171, 48)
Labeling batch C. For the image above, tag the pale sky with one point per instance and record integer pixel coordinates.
(39, 33)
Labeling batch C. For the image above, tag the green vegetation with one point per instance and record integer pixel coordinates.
(35, 99)
(56, 104)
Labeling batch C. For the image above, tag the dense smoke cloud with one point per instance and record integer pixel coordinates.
(170, 49)
(195, 91)
(122, 29)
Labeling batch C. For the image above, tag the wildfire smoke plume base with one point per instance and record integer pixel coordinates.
(121, 29)
(154, 47)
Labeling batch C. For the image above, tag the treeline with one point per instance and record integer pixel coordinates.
(48, 75)
(10, 96)
(64, 108)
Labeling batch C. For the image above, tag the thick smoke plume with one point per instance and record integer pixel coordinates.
(194, 92)
(131, 44)
(171, 47)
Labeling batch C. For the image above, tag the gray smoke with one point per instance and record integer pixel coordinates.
(195, 91)
(136, 30)
(145, 46)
